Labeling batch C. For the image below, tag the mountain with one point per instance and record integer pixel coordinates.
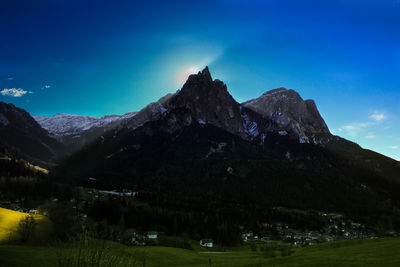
(206, 101)
(77, 131)
(21, 133)
(275, 150)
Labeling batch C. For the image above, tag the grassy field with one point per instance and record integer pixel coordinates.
(369, 252)
(372, 252)
(9, 220)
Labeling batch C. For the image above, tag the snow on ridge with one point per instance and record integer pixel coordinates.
(72, 115)
(279, 91)
(71, 124)
(275, 92)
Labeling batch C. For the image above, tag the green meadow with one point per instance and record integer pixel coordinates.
(371, 252)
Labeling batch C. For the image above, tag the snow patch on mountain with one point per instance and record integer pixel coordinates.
(64, 124)
(250, 127)
(304, 140)
(200, 121)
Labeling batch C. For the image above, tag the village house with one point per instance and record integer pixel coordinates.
(33, 211)
(134, 238)
(247, 236)
(206, 243)
(152, 235)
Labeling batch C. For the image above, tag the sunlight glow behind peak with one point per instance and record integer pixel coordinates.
(184, 73)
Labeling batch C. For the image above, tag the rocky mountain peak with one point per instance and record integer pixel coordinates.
(209, 102)
(202, 76)
(200, 81)
(290, 113)
(205, 73)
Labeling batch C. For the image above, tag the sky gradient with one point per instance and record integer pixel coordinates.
(111, 57)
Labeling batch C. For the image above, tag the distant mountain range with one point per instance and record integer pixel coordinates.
(275, 149)
(277, 111)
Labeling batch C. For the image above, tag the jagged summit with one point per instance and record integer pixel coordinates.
(205, 73)
(204, 76)
(209, 102)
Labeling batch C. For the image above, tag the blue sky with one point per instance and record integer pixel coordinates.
(112, 57)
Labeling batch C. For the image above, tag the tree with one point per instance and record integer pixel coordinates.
(64, 219)
(26, 228)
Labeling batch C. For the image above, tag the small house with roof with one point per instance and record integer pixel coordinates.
(208, 243)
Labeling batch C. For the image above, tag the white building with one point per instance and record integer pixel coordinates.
(152, 235)
(206, 243)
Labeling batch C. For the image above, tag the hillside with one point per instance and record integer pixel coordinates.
(20, 132)
(9, 220)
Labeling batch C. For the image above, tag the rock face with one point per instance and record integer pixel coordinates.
(153, 111)
(20, 131)
(289, 114)
(209, 102)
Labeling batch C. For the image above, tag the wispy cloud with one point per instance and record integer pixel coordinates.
(14, 92)
(378, 116)
(10, 78)
(356, 129)
(393, 147)
(370, 136)
(353, 129)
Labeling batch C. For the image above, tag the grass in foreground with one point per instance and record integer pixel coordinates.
(372, 252)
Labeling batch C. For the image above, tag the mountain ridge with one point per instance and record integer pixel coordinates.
(207, 101)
